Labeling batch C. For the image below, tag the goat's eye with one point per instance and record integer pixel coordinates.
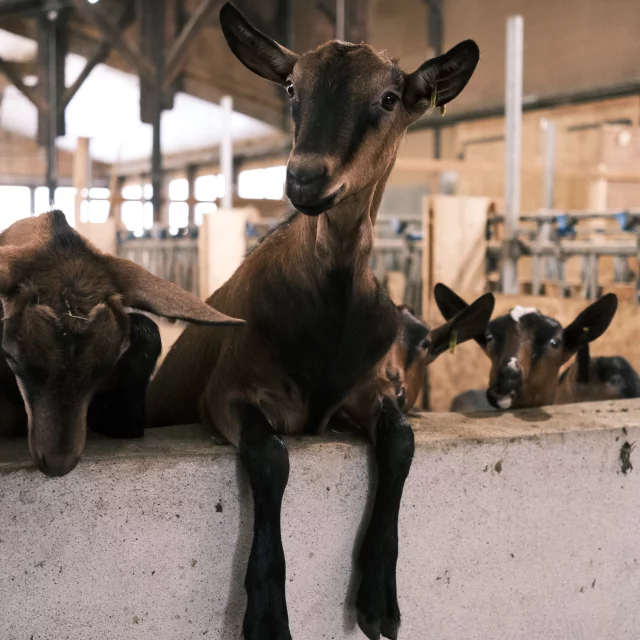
(389, 101)
(488, 337)
(554, 343)
(290, 90)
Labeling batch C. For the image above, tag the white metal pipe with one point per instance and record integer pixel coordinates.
(340, 10)
(513, 140)
(226, 151)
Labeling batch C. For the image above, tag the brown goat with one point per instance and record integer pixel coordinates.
(527, 349)
(71, 352)
(318, 323)
(417, 346)
(603, 378)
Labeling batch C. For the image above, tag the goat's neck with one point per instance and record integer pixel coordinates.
(343, 236)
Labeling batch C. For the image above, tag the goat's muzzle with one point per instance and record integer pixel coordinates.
(57, 438)
(308, 179)
(56, 465)
(507, 385)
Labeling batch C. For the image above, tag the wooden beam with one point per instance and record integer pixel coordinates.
(128, 49)
(30, 93)
(177, 55)
(98, 57)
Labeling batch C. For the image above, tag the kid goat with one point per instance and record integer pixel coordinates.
(417, 346)
(318, 323)
(603, 378)
(72, 354)
(527, 349)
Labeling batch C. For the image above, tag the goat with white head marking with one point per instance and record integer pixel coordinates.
(602, 378)
(527, 349)
(319, 325)
(72, 354)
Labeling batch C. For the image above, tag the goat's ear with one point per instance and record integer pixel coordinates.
(146, 292)
(467, 324)
(583, 362)
(10, 257)
(590, 324)
(257, 51)
(439, 80)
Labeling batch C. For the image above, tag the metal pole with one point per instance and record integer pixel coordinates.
(156, 160)
(435, 31)
(226, 151)
(340, 11)
(52, 89)
(513, 140)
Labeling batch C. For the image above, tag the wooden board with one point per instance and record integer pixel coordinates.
(455, 245)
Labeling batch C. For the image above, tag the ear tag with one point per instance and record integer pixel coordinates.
(453, 341)
(434, 97)
(443, 109)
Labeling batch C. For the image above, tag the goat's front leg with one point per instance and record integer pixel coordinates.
(118, 409)
(377, 601)
(266, 461)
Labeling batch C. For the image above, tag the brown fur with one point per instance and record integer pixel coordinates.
(65, 327)
(416, 346)
(527, 350)
(319, 327)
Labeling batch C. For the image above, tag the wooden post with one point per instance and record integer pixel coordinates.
(222, 245)
(81, 176)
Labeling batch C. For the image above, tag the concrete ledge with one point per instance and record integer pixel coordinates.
(523, 526)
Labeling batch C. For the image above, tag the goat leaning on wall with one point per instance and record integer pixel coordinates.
(72, 353)
(318, 323)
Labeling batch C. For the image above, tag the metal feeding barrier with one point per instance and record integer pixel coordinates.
(172, 257)
(397, 248)
(555, 239)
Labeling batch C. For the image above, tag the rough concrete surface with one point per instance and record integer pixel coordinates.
(523, 526)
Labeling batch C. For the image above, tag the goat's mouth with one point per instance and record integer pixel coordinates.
(319, 207)
(500, 401)
(56, 466)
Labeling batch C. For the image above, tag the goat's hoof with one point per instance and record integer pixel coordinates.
(389, 629)
(377, 606)
(370, 627)
(267, 634)
(266, 628)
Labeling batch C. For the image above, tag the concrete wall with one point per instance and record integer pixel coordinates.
(519, 526)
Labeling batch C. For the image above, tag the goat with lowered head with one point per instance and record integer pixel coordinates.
(72, 354)
(318, 323)
(527, 350)
(602, 378)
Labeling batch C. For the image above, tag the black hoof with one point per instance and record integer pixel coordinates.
(267, 630)
(377, 602)
(389, 629)
(370, 628)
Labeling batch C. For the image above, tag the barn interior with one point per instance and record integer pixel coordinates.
(134, 119)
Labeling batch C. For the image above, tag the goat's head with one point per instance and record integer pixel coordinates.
(417, 346)
(350, 106)
(527, 348)
(603, 378)
(65, 326)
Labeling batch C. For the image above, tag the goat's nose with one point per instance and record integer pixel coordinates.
(509, 379)
(56, 465)
(306, 172)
